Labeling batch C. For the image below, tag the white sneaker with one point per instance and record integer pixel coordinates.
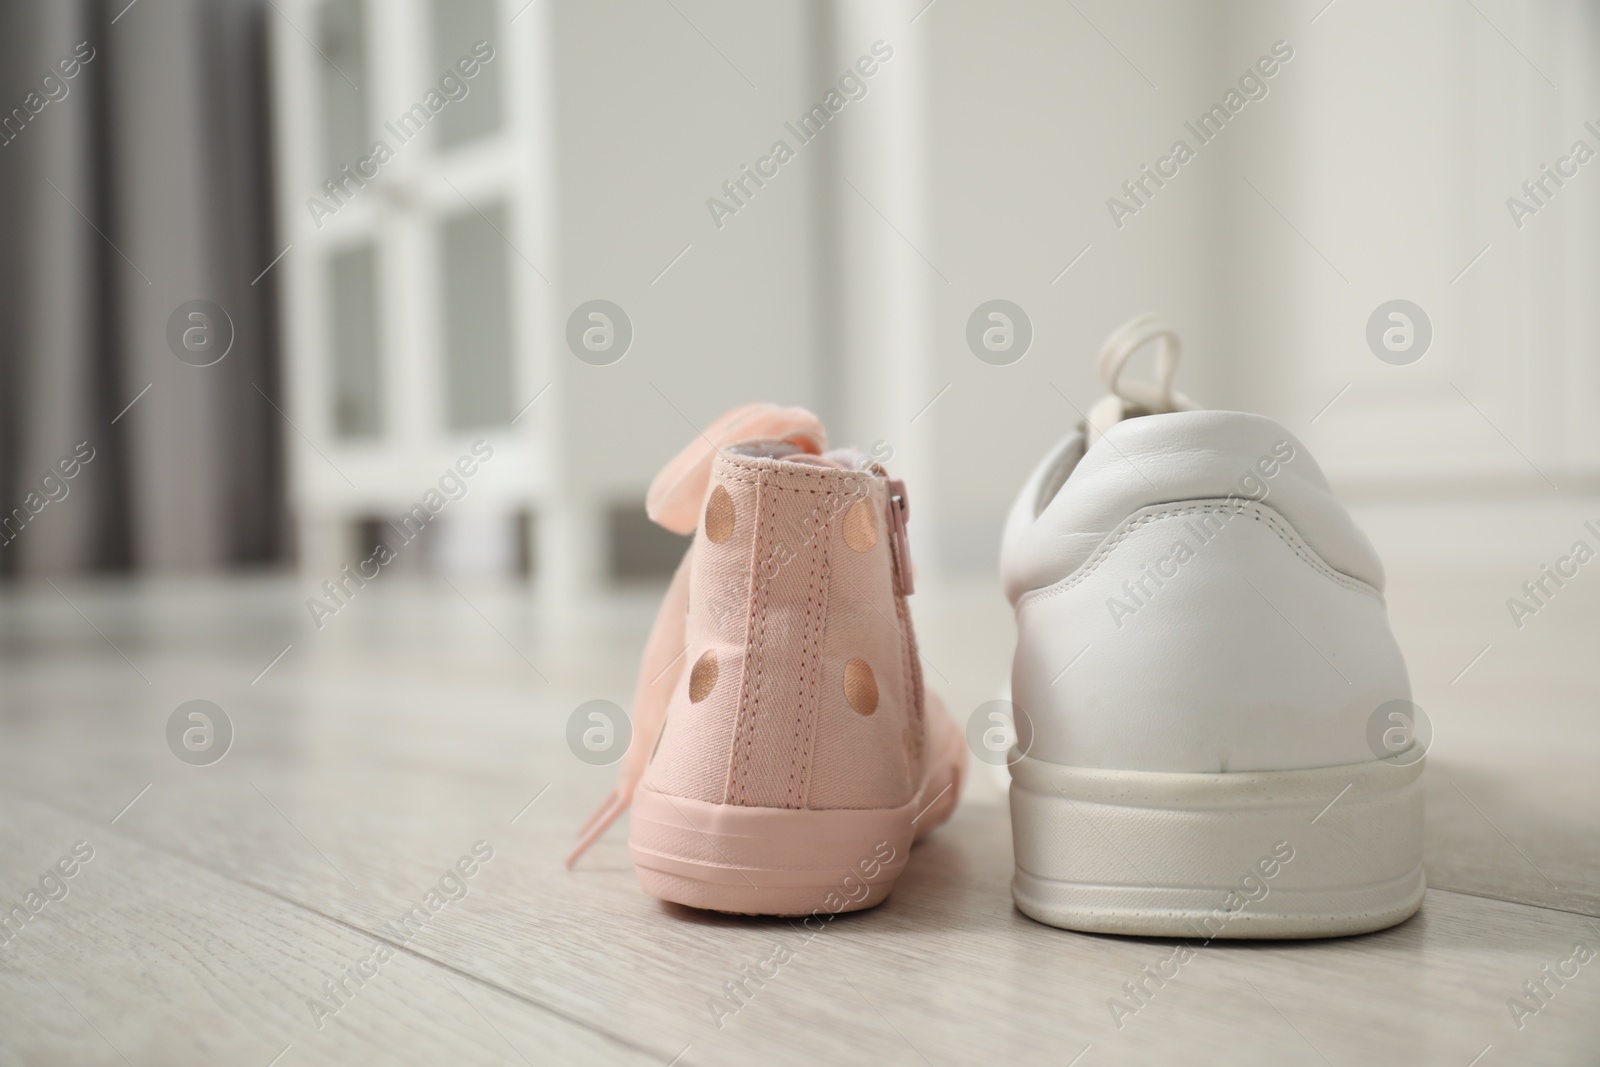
(1203, 656)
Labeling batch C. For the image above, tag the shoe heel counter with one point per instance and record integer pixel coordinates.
(798, 690)
(1205, 636)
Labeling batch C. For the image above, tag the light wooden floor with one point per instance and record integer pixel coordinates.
(376, 752)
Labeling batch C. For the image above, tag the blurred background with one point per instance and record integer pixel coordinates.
(285, 281)
(370, 314)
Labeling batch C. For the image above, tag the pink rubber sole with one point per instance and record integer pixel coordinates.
(786, 861)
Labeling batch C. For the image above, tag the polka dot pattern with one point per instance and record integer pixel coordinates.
(718, 525)
(703, 677)
(860, 686)
(861, 526)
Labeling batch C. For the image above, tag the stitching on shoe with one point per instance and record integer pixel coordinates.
(811, 667)
(846, 487)
(1259, 512)
(750, 696)
(847, 480)
(804, 652)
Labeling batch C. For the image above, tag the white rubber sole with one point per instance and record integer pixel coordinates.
(1280, 854)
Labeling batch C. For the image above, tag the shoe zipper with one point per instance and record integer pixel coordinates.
(899, 511)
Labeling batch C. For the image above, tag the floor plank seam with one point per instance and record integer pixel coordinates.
(479, 980)
(1517, 903)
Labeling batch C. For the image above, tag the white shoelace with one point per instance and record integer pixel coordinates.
(1130, 398)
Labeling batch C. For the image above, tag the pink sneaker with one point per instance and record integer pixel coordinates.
(785, 754)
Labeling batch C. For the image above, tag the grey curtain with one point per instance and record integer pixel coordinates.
(140, 183)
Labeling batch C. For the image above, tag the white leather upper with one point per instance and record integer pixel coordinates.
(1193, 599)
(1186, 455)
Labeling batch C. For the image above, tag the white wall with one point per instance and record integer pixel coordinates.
(1376, 167)
(1390, 141)
(652, 120)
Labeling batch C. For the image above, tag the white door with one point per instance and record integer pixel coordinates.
(414, 171)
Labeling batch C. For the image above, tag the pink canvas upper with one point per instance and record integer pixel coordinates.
(782, 605)
(782, 671)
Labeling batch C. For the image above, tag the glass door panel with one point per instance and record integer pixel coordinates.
(476, 292)
(353, 309)
(341, 33)
(458, 25)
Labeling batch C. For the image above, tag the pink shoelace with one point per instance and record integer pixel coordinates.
(674, 501)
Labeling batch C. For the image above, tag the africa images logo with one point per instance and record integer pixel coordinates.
(1208, 127)
(852, 85)
(454, 86)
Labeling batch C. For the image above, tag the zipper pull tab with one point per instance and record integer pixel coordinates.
(899, 512)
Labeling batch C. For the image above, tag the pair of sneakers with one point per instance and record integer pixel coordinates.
(1202, 652)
